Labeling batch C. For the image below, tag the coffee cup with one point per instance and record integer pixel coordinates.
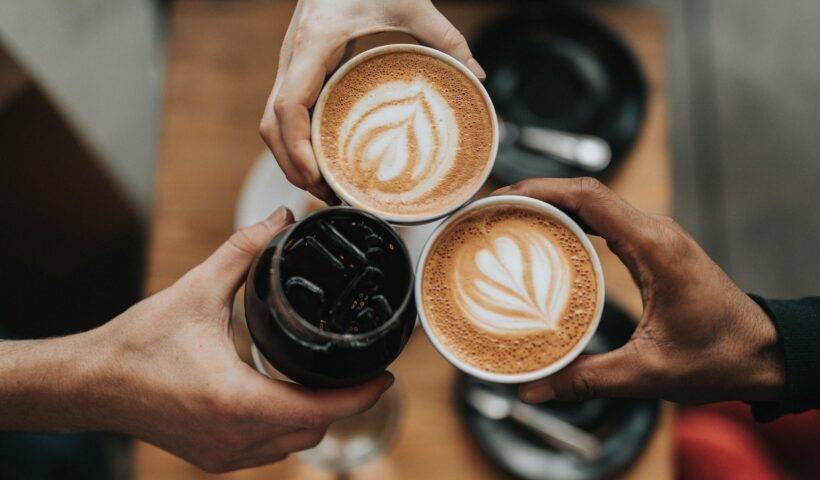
(405, 132)
(509, 289)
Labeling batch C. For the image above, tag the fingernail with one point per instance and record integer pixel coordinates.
(476, 68)
(536, 393)
(279, 216)
(501, 190)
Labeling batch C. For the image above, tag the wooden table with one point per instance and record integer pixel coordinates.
(221, 65)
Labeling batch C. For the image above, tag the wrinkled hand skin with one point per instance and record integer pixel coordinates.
(700, 338)
(319, 37)
(166, 371)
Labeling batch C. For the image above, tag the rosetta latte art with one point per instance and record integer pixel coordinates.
(520, 282)
(402, 137)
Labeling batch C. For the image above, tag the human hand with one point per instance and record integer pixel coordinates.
(167, 371)
(700, 338)
(319, 35)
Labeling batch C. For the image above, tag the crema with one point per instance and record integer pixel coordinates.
(405, 134)
(509, 289)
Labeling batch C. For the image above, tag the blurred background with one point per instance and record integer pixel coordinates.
(81, 100)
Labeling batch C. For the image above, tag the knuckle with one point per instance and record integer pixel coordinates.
(267, 125)
(223, 403)
(452, 38)
(591, 187)
(308, 32)
(281, 106)
(667, 239)
(581, 388)
(241, 240)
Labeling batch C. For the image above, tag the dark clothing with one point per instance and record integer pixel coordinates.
(798, 330)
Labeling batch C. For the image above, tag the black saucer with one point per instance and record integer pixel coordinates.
(624, 426)
(560, 68)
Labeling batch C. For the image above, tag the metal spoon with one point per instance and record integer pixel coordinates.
(556, 432)
(587, 152)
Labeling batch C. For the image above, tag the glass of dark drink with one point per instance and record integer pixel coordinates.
(330, 302)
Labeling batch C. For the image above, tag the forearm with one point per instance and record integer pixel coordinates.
(44, 384)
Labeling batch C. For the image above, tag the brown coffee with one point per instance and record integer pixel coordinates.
(509, 289)
(406, 134)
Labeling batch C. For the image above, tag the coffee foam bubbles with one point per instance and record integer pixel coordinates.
(508, 289)
(404, 136)
(520, 281)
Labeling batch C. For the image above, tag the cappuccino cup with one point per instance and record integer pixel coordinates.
(509, 289)
(404, 132)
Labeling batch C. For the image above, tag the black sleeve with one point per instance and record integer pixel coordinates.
(798, 330)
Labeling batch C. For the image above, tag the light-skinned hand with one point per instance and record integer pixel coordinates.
(319, 36)
(167, 371)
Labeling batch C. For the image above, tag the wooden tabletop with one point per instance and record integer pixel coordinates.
(221, 65)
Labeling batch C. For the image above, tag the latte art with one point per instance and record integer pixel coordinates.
(517, 284)
(507, 288)
(402, 136)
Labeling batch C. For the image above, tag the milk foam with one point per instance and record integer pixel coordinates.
(405, 134)
(400, 132)
(508, 289)
(519, 283)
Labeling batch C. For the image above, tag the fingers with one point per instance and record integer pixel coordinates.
(614, 374)
(285, 126)
(227, 266)
(434, 30)
(284, 402)
(607, 214)
(280, 446)
(293, 442)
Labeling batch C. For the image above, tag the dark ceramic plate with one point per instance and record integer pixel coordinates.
(560, 68)
(623, 426)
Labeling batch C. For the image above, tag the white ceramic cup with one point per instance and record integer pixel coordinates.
(316, 137)
(550, 211)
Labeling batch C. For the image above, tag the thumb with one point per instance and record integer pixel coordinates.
(612, 374)
(227, 266)
(434, 30)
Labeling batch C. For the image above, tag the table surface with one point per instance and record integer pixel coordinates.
(221, 65)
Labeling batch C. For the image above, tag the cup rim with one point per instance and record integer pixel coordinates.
(316, 138)
(524, 376)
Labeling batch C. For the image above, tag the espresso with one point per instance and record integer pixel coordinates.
(509, 289)
(405, 134)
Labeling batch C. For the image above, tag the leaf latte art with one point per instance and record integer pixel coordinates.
(508, 288)
(519, 281)
(402, 137)
(404, 134)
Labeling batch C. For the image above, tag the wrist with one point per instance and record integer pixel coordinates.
(766, 369)
(43, 385)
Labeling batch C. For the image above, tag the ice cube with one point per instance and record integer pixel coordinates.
(305, 296)
(346, 247)
(355, 296)
(312, 243)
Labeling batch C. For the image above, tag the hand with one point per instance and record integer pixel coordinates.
(167, 372)
(700, 338)
(319, 35)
